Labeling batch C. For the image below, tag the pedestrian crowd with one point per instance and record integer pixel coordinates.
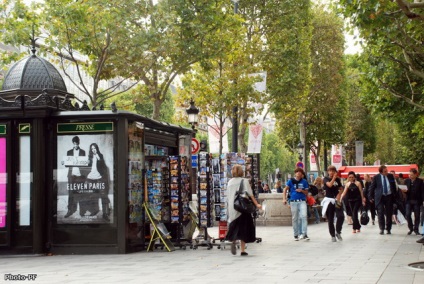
(390, 198)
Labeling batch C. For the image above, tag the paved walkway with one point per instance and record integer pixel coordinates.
(366, 257)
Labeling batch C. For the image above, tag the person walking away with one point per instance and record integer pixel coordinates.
(382, 193)
(400, 198)
(369, 205)
(331, 204)
(318, 183)
(278, 187)
(415, 187)
(298, 189)
(355, 198)
(240, 225)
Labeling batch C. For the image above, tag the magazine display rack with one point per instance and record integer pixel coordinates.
(252, 169)
(226, 163)
(168, 194)
(205, 202)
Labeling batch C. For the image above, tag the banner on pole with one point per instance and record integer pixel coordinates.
(255, 138)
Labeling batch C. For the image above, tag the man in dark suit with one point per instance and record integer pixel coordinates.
(382, 192)
(414, 191)
(74, 176)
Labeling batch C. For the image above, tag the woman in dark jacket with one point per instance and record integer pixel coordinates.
(355, 198)
(99, 179)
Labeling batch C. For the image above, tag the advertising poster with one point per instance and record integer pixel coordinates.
(336, 156)
(214, 135)
(255, 138)
(359, 146)
(85, 178)
(3, 203)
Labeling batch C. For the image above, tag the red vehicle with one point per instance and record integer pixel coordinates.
(373, 170)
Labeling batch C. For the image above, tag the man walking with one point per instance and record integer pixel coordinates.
(74, 176)
(332, 203)
(298, 187)
(415, 187)
(382, 192)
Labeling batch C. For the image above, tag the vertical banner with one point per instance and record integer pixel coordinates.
(312, 162)
(213, 136)
(336, 155)
(255, 138)
(359, 147)
(3, 181)
(85, 166)
(24, 181)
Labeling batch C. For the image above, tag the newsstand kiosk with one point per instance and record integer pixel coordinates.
(71, 178)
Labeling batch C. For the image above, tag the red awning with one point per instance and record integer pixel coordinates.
(373, 170)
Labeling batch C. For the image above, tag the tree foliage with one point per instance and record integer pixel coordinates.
(146, 41)
(393, 66)
(322, 109)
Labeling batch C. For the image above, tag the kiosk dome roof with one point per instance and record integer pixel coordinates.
(33, 73)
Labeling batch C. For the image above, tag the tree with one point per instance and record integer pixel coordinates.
(360, 123)
(153, 42)
(171, 36)
(322, 110)
(275, 156)
(392, 69)
(393, 34)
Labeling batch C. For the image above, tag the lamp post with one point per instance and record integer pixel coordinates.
(300, 151)
(193, 116)
(234, 141)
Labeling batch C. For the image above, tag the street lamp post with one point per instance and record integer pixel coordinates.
(300, 148)
(234, 144)
(193, 116)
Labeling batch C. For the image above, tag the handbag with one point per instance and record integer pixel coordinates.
(364, 218)
(243, 204)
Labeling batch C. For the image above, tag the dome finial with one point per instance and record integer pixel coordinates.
(33, 40)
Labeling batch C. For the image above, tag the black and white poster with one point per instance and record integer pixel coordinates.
(85, 178)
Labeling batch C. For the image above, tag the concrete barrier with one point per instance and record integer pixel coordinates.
(276, 213)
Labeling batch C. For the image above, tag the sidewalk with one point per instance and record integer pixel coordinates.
(366, 257)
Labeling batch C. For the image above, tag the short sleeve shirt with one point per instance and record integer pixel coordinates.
(293, 184)
(331, 192)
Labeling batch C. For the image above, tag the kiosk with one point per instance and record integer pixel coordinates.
(71, 178)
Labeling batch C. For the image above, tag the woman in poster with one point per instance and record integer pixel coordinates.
(98, 180)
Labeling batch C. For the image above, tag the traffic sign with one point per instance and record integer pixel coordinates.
(299, 165)
(195, 145)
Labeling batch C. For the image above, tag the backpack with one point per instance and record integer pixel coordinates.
(313, 190)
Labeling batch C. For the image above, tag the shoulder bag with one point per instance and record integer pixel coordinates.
(243, 204)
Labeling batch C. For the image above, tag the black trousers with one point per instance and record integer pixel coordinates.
(385, 212)
(355, 205)
(331, 212)
(371, 207)
(413, 207)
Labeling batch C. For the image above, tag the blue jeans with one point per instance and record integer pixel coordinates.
(299, 220)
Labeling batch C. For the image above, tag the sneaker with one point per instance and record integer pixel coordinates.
(296, 238)
(339, 237)
(333, 239)
(301, 237)
(306, 238)
(421, 241)
(233, 248)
